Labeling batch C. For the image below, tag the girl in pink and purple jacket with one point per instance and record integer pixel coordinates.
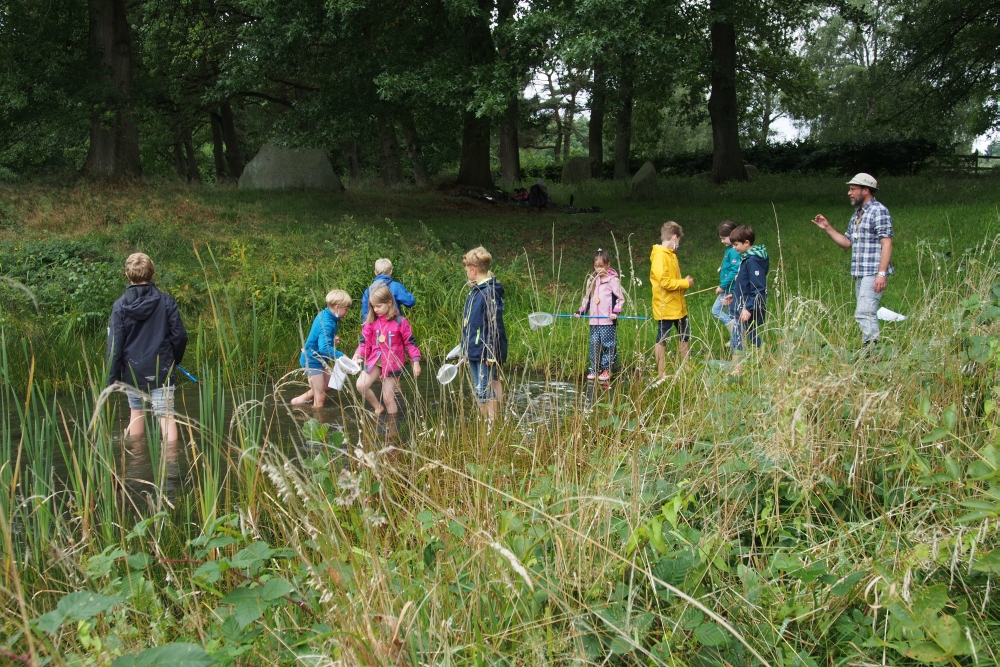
(602, 301)
(386, 338)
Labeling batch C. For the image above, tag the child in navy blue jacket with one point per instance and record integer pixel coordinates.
(146, 341)
(749, 289)
(383, 276)
(320, 349)
(484, 339)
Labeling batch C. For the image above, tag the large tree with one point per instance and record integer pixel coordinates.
(114, 135)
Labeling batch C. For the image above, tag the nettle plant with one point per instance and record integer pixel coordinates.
(143, 596)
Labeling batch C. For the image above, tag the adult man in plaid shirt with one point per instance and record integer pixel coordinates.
(869, 238)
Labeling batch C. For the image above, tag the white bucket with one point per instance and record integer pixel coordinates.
(889, 316)
(343, 367)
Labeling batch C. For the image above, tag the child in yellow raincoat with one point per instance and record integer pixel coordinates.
(669, 307)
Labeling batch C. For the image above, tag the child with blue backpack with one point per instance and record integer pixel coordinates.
(383, 276)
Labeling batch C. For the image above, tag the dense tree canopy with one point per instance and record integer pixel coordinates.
(401, 91)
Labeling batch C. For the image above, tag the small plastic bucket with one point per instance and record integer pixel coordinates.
(343, 367)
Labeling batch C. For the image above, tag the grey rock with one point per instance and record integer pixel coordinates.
(576, 170)
(276, 168)
(752, 171)
(644, 182)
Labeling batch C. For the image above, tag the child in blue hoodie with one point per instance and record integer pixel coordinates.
(320, 350)
(484, 339)
(749, 289)
(383, 276)
(727, 276)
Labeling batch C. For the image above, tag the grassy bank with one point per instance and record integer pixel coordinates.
(820, 509)
(279, 253)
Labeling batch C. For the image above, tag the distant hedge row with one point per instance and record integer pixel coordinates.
(880, 158)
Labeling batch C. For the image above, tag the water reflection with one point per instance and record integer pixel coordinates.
(151, 471)
(152, 474)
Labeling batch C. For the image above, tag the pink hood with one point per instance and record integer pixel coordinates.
(388, 342)
(603, 296)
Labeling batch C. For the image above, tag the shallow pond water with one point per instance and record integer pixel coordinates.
(150, 471)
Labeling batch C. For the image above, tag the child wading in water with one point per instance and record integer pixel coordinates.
(669, 306)
(386, 339)
(484, 338)
(319, 352)
(727, 276)
(603, 299)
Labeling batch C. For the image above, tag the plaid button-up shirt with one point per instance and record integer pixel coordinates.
(867, 228)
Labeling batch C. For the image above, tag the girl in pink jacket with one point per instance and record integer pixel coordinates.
(602, 301)
(386, 337)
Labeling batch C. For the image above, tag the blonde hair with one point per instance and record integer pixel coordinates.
(671, 228)
(139, 268)
(383, 267)
(338, 297)
(478, 257)
(380, 295)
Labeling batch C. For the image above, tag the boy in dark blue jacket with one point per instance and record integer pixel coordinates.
(749, 289)
(383, 276)
(484, 339)
(146, 341)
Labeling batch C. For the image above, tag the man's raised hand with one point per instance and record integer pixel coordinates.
(821, 222)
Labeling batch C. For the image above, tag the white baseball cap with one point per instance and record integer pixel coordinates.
(865, 181)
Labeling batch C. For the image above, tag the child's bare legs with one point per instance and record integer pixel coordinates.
(364, 386)
(389, 385)
(684, 347)
(136, 424)
(168, 427)
(660, 351)
(302, 399)
(318, 383)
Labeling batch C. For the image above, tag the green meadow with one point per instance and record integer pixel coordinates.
(822, 507)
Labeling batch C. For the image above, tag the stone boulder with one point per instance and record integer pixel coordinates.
(644, 182)
(276, 168)
(576, 170)
(752, 171)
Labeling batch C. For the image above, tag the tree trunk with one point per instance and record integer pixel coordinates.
(474, 169)
(114, 147)
(392, 171)
(413, 150)
(179, 163)
(192, 162)
(354, 161)
(559, 135)
(218, 151)
(474, 166)
(623, 121)
(234, 156)
(595, 135)
(570, 111)
(727, 156)
(508, 150)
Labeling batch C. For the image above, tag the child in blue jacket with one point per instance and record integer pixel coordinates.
(749, 289)
(484, 339)
(383, 276)
(320, 350)
(727, 276)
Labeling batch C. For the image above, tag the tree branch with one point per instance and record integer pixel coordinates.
(264, 96)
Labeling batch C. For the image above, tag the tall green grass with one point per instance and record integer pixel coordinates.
(818, 508)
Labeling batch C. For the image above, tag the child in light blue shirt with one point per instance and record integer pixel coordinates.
(727, 276)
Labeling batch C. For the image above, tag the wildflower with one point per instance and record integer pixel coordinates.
(373, 518)
(350, 483)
